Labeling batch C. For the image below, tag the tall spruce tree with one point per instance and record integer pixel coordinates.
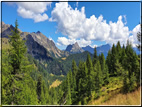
(19, 68)
(95, 56)
(74, 67)
(102, 63)
(39, 88)
(90, 75)
(108, 61)
(69, 101)
(98, 78)
(118, 49)
(113, 60)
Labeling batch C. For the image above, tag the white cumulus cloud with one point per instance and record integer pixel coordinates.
(74, 24)
(33, 10)
(64, 41)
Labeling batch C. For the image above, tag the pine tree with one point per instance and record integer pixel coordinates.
(82, 84)
(98, 78)
(90, 75)
(69, 101)
(39, 88)
(130, 58)
(118, 49)
(113, 60)
(136, 68)
(125, 82)
(18, 69)
(102, 63)
(74, 86)
(74, 68)
(108, 61)
(123, 58)
(118, 68)
(132, 84)
(95, 56)
(89, 64)
(106, 75)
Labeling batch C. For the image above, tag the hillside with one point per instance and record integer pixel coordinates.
(132, 98)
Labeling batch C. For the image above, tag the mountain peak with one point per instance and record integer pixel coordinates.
(38, 32)
(76, 44)
(74, 48)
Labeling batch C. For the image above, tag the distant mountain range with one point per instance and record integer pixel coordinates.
(101, 49)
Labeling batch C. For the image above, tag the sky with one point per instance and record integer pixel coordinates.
(88, 23)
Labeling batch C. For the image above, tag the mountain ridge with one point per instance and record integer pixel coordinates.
(101, 49)
(35, 41)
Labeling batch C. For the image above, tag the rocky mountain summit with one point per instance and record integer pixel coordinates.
(74, 48)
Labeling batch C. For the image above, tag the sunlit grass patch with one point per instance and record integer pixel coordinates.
(63, 58)
(132, 98)
(55, 83)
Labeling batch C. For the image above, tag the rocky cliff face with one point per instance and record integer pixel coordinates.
(74, 48)
(39, 46)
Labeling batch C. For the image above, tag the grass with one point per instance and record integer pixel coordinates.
(111, 95)
(63, 58)
(132, 98)
(55, 83)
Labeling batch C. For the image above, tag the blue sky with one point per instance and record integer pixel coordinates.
(62, 23)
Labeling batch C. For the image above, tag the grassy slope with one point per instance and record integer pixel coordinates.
(56, 83)
(111, 95)
(132, 98)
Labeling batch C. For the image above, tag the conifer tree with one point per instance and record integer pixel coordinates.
(118, 49)
(125, 82)
(102, 63)
(123, 58)
(136, 68)
(106, 75)
(82, 85)
(95, 56)
(118, 69)
(69, 101)
(39, 88)
(19, 69)
(90, 75)
(113, 60)
(130, 58)
(132, 83)
(74, 67)
(98, 78)
(108, 61)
